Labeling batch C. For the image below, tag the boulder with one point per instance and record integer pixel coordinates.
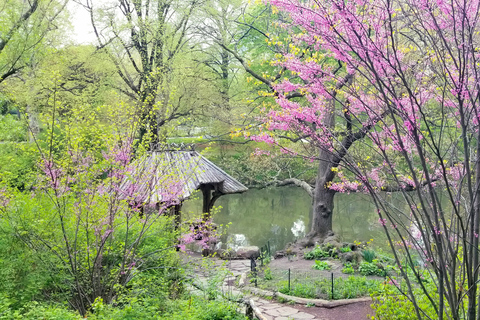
(351, 257)
(332, 240)
(279, 254)
(248, 252)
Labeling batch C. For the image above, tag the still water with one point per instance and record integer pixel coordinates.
(281, 215)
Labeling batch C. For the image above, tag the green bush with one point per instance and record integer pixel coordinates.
(12, 129)
(17, 165)
(368, 255)
(371, 269)
(348, 269)
(200, 309)
(389, 303)
(267, 274)
(319, 253)
(321, 265)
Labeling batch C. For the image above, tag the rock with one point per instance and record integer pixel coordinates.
(279, 254)
(333, 241)
(248, 252)
(352, 257)
(306, 243)
(332, 238)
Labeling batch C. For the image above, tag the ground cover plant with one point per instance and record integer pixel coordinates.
(343, 288)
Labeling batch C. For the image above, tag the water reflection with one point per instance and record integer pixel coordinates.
(298, 228)
(281, 215)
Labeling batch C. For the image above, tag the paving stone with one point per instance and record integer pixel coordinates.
(271, 306)
(273, 312)
(302, 316)
(286, 311)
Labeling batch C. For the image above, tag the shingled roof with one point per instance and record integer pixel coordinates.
(156, 172)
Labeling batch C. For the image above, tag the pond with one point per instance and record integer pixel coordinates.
(281, 215)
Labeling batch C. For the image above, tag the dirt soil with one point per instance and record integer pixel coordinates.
(354, 311)
(306, 265)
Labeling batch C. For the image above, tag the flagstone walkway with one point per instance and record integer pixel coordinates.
(268, 309)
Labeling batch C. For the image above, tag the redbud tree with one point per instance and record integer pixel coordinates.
(90, 220)
(390, 104)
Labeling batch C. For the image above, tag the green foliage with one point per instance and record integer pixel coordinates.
(12, 129)
(133, 308)
(38, 272)
(267, 274)
(349, 288)
(389, 303)
(316, 253)
(17, 165)
(203, 310)
(303, 290)
(371, 269)
(348, 269)
(345, 249)
(319, 252)
(368, 255)
(321, 265)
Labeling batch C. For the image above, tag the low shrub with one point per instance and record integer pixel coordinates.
(348, 269)
(321, 265)
(316, 253)
(389, 303)
(371, 269)
(327, 251)
(368, 255)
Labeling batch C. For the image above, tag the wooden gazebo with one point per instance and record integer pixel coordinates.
(185, 171)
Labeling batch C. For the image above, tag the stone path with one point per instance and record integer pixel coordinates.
(270, 310)
(276, 311)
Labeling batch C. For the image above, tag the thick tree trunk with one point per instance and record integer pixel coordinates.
(323, 197)
(322, 212)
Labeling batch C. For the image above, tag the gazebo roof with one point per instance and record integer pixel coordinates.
(158, 171)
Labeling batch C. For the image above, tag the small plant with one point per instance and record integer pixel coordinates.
(267, 274)
(345, 249)
(310, 304)
(321, 265)
(371, 269)
(316, 253)
(348, 269)
(320, 253)
(368, 255)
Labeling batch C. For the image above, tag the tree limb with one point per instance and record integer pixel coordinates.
(287, 182)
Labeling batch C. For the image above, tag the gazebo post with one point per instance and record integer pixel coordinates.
(178, 214)
(209, 198)
(175, 211)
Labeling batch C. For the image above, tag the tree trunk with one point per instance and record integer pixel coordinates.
(322, 212)
(323, 197)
